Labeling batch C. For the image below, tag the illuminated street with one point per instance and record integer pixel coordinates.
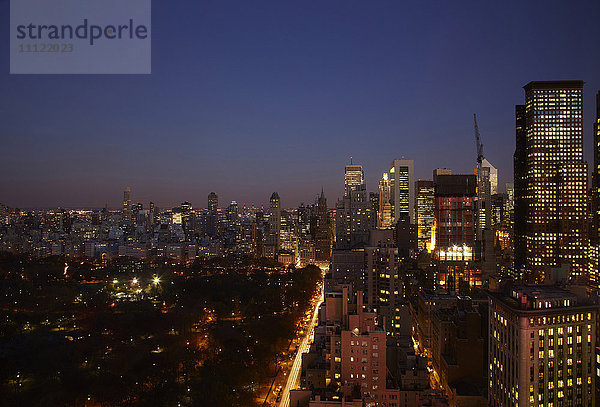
(304, 346)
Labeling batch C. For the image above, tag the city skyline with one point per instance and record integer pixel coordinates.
(300, 204)
(239, 109)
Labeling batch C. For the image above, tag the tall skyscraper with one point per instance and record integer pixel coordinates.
(384, 213)
(596, 174)
(484, 199)
(594, 252)
(213, 203)
(272, 245)
(322, 234)
(211, 221)
(305, 219)
(493, 176)
(455, 231)
(484, 235)
(127, 209)
(288, 234)
(550, 179)
(353, 178)
(402, 186)
(509, 204)
(542, 342)
(354, 214)
(425, 212)
(521, 200)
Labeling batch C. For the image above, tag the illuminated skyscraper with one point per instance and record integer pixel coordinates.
(213, 203)
(484, 236)
(322, 233)
(521, 200)
(493, 176)
(596, 172)
(402, 186)
(550, 179)
(232, 225)
(594, 274)
(384, 214)
(304, 219)
(425, 212)
(353, 178)
(455, 230)
(272, 244)
(484, 200)
(212, 220)
(509, 204)
(354, 214)
(288, 234)
(127, 209)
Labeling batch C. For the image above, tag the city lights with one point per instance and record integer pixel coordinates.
(293, 206)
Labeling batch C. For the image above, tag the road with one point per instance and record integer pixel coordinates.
(304, 347)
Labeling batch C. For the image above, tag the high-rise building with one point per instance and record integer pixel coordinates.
(509, 205)
(211, 220)
(305, 215)
(354, 213)
(288, 234)
(484, 235)
(274, 223)
(498, 206)
(425, 212)
(455, 230)
(595, 238)
(322, 235)
(483, 204)
(213, 203)
(127, 209)
(521, 200)
(493, 176)
(594, 253)
(384, 213)
(232, 226)
(550, 179)
(458, 350)
(402, 187)
(542, 342)
(354, 177)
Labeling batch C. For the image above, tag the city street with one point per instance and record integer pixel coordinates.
(294, 374)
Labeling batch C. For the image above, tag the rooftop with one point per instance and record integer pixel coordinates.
(539, 297)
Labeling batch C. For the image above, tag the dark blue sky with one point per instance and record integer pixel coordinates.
(251, 97)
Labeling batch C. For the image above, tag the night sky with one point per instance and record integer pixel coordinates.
(251, 97)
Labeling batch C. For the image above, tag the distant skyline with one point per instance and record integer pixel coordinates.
(247, 98)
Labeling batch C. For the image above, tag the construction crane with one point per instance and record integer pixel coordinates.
(478, 142)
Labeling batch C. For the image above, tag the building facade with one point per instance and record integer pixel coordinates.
(425, 207)
(455, 231)
(594, 274)
(384, 213)
(550, 179)
(542, 342)
(402, 186)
